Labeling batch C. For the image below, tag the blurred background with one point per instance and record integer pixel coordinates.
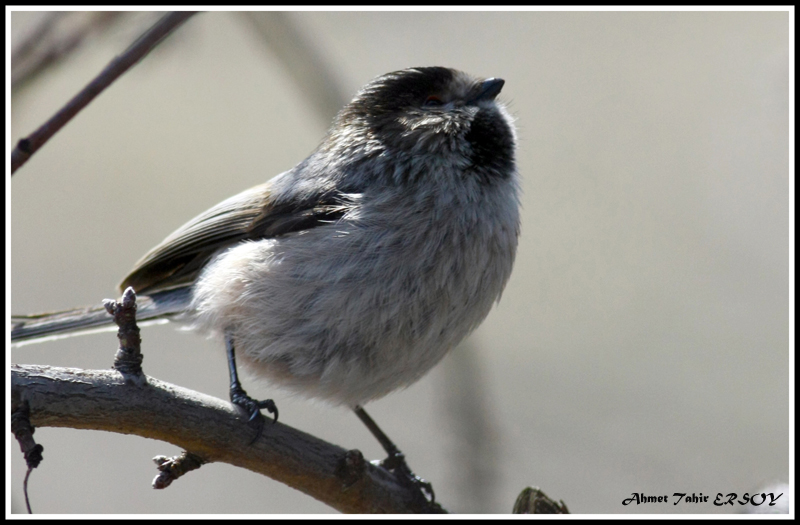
(642, 344)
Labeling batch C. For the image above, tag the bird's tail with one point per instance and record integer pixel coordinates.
(39, 327)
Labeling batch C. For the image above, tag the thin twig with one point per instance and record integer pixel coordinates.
(138, 50)
(25, 490)
(172, 468)
(54, 40)
(475, 442)
(302, 59)
(128, 359)
(28, 45)
(23, 430)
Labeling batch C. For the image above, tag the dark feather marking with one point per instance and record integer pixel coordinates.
(178, 260)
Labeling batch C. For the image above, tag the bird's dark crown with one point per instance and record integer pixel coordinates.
(423, 111)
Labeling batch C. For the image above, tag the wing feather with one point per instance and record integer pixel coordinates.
(251, 215)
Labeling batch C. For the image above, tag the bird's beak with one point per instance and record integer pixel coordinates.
(488, 90)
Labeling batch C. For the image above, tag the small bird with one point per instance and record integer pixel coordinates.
(353, 273)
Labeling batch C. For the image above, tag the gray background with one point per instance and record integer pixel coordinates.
(642, 343)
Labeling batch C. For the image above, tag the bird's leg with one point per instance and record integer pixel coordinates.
(238, 395)
(396, 461)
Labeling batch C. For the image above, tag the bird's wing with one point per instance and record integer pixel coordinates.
(251, 215)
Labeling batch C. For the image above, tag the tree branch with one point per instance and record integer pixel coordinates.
(28, 146)
(211, 430)
(54, 39)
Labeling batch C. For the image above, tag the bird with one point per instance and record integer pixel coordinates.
(352, 274)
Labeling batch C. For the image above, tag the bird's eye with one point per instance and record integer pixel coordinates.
(433, 101)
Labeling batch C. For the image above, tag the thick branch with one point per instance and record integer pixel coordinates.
(212, 430)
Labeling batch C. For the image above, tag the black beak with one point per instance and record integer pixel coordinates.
(488, 89)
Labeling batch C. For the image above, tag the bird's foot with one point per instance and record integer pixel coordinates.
(396, 463)
(253, 407)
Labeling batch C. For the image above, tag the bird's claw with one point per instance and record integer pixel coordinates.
(397, 463)
(253, 407)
